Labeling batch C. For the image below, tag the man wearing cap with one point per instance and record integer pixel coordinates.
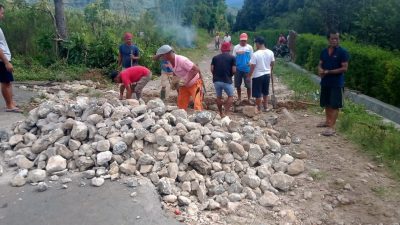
(243, 53)
(134, 79)
(128, 56)
(223, 66)
(188, 73)
(261, 66)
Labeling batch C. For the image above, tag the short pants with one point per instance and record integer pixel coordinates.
(221, 86)
(239, 76)
(331, 97)
(142, 83)
(260, 86)
(5, 76)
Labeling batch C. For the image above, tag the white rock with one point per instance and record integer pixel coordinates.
(55, 164)
(97, 182)
(79, 131)
(36, 175)
(104, 157)
(269, 199)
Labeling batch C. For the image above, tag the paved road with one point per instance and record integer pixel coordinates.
(8, 118)
(109, 204)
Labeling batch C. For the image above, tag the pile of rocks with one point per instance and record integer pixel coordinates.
(197, 159)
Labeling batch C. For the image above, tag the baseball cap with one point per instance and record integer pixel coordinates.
(163, 50)
(226, 47)
(128, 36)
(243, 37)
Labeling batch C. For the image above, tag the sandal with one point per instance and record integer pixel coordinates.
(14, 110)
(322, 124)
(328, 132)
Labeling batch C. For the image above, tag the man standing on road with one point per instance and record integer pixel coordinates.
(189, 74)
(216, 41)
(332, 66)
(243, 53)
(134, 79)
(6, 71)
(223, 66)
(261, 67)
(227, 38)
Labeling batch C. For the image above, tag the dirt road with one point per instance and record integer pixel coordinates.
(341, 185)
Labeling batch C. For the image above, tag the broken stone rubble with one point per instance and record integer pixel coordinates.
(197, 158)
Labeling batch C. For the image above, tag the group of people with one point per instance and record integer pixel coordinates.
(245, 66)
(254, 69)
(232, 68)
(217, 40)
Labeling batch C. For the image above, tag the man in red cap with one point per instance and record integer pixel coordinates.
(128, 55)
(223, 66)
(243, 53)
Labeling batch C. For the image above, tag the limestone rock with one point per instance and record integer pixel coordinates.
(296, 167)
(269, 199)
(36, 175)
(282, 181)
(56, 163)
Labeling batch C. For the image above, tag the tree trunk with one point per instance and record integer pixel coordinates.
(60, 19)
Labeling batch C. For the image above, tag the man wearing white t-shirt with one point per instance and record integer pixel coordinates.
(261, 66)
(227, 37)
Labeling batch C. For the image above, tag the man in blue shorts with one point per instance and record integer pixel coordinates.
(243, 53)
(6, 71)
(332, 66)
(261, 67)
(223, 66)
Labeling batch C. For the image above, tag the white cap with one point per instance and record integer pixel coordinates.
(163, 50)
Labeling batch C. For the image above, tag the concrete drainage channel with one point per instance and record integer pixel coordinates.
(388, 112)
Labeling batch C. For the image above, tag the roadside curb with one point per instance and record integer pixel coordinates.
(385, 110)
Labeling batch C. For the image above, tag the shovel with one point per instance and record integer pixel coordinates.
(273, 98)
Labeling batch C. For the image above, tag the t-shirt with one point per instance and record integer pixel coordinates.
(4, 46)
(332, 62)
(181, 69)
(126, 51)
(223, 64)
(133, 74)
(243, 55)
(227, 38)
(166, 66)
(262, 59)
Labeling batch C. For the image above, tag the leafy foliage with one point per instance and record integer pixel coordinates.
(374, 22)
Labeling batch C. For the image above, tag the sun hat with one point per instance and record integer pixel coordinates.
(243, 37)
(226, 47)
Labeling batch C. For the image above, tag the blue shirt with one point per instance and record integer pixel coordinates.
(165, 66)
(332, 62)
(126, 51)
(243, 55)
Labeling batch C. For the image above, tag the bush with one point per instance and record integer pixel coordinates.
(372, 70)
